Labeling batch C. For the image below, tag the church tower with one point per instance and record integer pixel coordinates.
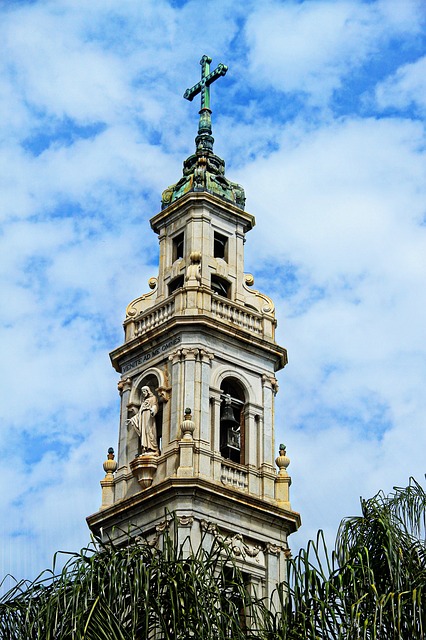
(197, 366)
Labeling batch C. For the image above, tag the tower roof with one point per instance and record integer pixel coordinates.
(204, 170)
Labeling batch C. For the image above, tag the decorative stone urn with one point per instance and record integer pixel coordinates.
(110, 465)
(186, 446)
(282, 479)
(282, 461)
(143, 468)
(187, 425)
(107, 484)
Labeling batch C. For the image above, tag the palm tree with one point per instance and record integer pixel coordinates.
(372, 586)
(129, 592)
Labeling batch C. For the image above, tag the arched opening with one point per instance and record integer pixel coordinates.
(221, 286)
(220, 246)
(232, 438)
(178, 246)
(175, 284)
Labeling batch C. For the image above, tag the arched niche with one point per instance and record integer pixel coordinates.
(155, 380)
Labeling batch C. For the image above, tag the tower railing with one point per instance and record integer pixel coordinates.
(154, 318)
(208, 304)
(233, 476)
(235, 314)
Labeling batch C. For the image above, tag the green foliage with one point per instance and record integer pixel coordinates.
(372, 586)
(128, 592)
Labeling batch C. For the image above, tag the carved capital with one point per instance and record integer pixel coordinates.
(175, 356)
(206, 356)
(124, 385)
(162, 526)
(185, 521)
(208, 527)
(271, 382)
(159, 530)
(190, 353)
(274, 549)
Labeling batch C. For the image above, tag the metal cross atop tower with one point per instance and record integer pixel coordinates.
(207, 78)
(204, 140)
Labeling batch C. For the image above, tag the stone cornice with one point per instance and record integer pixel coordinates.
(221, 207)
(195, 488)
(213, 326)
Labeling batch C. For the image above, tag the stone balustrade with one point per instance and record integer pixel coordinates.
(154, 318)
(210, 305)
(233, 476)
(235, 314)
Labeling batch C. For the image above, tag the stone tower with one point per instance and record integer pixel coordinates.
(198, 363)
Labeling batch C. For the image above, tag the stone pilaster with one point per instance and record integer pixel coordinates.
(203, 386)
(124, 388)
(270, 387)
(189, 355)
(274, 570)
(177, 386)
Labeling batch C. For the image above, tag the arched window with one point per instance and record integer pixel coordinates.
(232, 439)
(175, 284)
(220, 246)
(220, 286)
(178, 246)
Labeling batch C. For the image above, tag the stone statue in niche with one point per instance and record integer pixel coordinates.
(144, 423)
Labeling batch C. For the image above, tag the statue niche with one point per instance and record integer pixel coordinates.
(147, 421)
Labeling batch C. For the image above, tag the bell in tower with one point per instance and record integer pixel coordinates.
(197, 381)
(230, 445)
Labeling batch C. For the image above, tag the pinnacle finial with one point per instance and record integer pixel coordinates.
(204, 140)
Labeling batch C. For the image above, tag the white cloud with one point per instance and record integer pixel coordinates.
(348, 200)
(404, 89)
(348, 197)
(339, 205)
(312, 46)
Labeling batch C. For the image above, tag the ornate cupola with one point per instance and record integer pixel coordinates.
(205, 171)
(197, 366)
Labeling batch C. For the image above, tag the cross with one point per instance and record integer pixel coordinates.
(207, 78)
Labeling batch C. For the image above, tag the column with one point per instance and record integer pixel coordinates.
(124, 388)
(270, 388)
(204, 392)
(176, 410)
(238, 265)
(189, 355)
(215, 432)
(165, 259)
(274, 571)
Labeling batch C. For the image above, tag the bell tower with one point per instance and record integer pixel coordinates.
(197, 366)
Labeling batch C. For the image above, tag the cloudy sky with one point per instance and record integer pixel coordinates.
(321, 118)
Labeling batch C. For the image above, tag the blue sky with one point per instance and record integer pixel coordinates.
(321, 119)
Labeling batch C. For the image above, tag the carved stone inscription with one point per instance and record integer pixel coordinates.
(151, 354)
